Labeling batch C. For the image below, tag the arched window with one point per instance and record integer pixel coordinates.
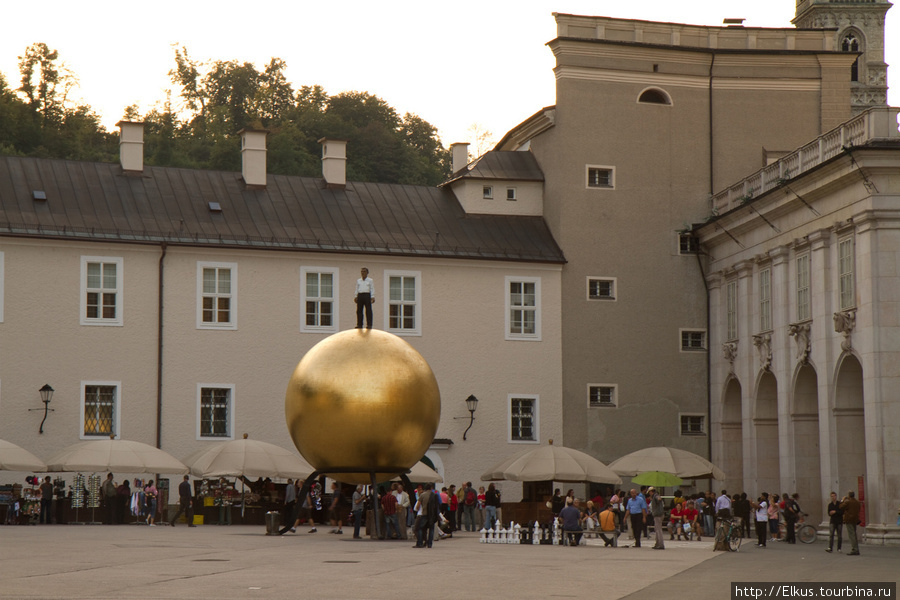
(850, 43)
(654, 96)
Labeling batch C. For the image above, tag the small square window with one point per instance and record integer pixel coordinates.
(487, 192)
(688, 244)
(693, 425)
(601, 289)
(602, 396)
(511, 194)
(600, 177)
(693, 340)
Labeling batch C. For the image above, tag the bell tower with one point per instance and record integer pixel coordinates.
(859, 28)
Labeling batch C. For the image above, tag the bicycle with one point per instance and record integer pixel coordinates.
(803, 531)
(729, 534)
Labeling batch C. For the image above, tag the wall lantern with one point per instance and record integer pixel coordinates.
(471, 403)
(46, 396)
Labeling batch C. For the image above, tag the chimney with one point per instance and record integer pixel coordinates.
(334, 163)
(253, 158)
(460, 156)
(131, 146)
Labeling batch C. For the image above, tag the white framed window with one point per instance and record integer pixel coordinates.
(216, 295)
(100, 401)
(692, 424)
(318, 308)
(523, 418)
(601, 288)
(1, 287)
(511, 194)
(847, 287)
(693, 340)
(803, 298)
(404, 302)
(523, 308)
(487, 192)
(688, 243)
(603, 395)
(765, 299)
(600, 177)
(101, 290)
(731, 322)
(215, 411)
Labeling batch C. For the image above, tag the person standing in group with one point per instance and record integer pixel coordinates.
(492, 503)
(470, 499)
(479, 509)
(427, 510)
(123, 499)
(452, 506)
(637, 511)
(657, 511)
(337, 505)
(571, 521)
(364, 299)
(835, 523)
(761, 506)
(791, 515)
(743, 509)
(46, 489)
(850, 505)
(150, 495)
(773, 513)
(403, 507)
(290, 501)
(108, 494)
(185, 501)
(357, 507)
(723, 506)
(389, 510)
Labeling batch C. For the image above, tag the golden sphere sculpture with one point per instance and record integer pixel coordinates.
(362, 398)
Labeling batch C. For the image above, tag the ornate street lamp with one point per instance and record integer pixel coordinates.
(471, 403)
(46, 396)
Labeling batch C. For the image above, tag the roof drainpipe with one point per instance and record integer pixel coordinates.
(712, 63)
(159, 347)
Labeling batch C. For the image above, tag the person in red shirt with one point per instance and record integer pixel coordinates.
(692, 516)
(676, 518)
(453, 507)
(389, 506)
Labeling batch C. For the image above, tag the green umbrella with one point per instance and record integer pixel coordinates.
(657, 479)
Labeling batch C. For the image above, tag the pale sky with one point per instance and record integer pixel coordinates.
(452, 63)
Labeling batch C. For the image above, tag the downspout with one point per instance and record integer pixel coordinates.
(712, 63)
(159, 347)
(708, 364)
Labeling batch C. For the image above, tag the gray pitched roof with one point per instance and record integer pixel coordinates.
(97, 201)
(496, 164)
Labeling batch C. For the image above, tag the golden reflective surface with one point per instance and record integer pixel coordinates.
(362, 398)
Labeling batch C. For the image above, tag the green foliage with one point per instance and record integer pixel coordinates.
(215, 101)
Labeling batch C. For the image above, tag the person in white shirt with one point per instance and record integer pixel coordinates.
(723, 506)
(364, 299)
(761, 507)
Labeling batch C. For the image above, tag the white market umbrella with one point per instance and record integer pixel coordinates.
(248, 458)
(16, 458)
(551, 463)
(126, 456)
(682, 463)
(422, 473)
